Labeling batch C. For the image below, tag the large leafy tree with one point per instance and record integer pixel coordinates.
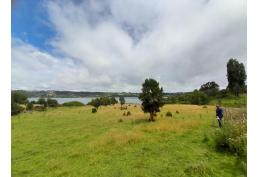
(122, 100)
(210, 88)
(17, 99)
(236, 76)
(151, 97)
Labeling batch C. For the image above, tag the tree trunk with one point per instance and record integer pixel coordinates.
(151, 116)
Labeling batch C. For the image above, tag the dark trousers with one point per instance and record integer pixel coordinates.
(220, 122)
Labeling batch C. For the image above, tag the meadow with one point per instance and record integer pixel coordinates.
(73, 142)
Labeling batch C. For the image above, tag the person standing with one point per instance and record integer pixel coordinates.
(219, 115)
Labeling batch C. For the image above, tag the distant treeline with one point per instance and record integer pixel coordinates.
(73, 94)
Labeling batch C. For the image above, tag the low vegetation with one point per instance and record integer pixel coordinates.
(73, 103)
(233, 136)
(71, 141)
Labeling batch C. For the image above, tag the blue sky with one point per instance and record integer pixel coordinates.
(30, 23)
(113, 45)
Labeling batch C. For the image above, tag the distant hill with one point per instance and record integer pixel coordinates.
(74, 94)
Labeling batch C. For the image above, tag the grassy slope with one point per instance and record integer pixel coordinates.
(74, 142)
(240, 101)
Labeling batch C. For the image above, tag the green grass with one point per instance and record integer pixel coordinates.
(75, 142)
(238, 102)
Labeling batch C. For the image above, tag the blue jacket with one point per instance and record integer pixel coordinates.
(219, 112)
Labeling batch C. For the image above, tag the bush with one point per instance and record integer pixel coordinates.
(29, 106)
(39, 108)
(169, 114)
(204, 106)
(177, 112)
(124, 114)
(232, 137)
(73, 103)
(42, 101)
(93, 110)
(120, 120)
(199, 98)
(52, 102)
(16, 109)
(128, 113)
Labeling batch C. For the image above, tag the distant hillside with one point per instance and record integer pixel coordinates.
(73, 94)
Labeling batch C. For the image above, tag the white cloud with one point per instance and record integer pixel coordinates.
(113, 45)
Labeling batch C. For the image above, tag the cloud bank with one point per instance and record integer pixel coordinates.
(113, 45)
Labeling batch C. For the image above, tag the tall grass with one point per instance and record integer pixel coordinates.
(232, 137)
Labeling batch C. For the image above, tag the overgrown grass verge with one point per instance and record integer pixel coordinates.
(232, 137)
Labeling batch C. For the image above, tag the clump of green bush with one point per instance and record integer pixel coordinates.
(93, 110)
(169, 114)
(73, 103)
(120, 120)
(177, 112)
(204, 106)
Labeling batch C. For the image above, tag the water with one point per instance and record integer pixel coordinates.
(85, 100)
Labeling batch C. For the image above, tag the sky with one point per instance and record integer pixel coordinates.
(114, 45)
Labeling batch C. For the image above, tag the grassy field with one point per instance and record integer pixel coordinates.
(76, 143)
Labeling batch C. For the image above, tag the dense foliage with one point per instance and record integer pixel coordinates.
(102, 101)
(52, 102)
(151, 97)
(18, 99)
(122, 100)
(210, 88)
(236, 76)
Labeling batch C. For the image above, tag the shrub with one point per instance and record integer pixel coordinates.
(232, 137)
(169, 114)
(16, 109)
(29, 106)
(42, 101)
(177, 112)
(93, 110)
(128, 113)
(39, 107)
(124, 114)
(73, 103)
(204, 106)
(52, 102)
(120, 120)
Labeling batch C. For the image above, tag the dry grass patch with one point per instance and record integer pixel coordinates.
(176, 126)
(116, 138)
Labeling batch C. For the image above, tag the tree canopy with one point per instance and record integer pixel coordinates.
(210, 88)
(236, 76)
(151, 97)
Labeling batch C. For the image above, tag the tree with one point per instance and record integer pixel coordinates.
(95, 102)
(210, 88)
(29, 106)
(199, 98)
(52, 102)
(113, 100)
(151, 97)
(236, 76)
(17, 99)
(42, 101)
(122, 100)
